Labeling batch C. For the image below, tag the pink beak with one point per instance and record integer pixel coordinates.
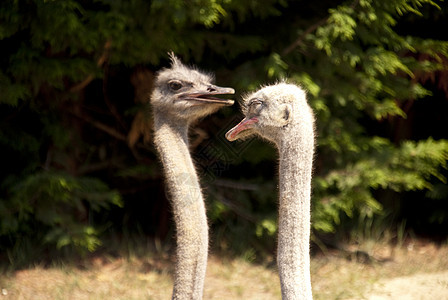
(245, 124)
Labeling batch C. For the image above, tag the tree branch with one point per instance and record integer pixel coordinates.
(109, 130)
(310, 29)
(299, 41)
(237, 210)
(90, 77)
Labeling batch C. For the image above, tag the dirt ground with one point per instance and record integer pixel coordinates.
(418, 270)
(415, 287)
(424, 267)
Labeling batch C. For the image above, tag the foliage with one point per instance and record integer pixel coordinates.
(406, 168)
(74, 119)
(56, 207)
(371, 67)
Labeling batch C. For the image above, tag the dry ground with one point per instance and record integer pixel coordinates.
(418, 270)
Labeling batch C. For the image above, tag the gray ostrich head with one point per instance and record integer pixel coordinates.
(270, 112)
(187, 93)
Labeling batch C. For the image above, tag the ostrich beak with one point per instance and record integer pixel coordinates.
(241, 130)
(207, 96)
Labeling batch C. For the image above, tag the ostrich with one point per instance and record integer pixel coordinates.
(280, 114)
(181, 96)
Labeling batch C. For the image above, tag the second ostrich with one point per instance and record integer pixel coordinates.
(280, 113)
(181, 96)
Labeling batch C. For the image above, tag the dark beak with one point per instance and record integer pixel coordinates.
(208, 96)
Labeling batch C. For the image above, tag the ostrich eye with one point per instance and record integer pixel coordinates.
(255, 102)
(175, 85)
(255, 105)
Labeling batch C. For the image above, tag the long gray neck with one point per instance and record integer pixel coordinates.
(293, 256)
(171, 140)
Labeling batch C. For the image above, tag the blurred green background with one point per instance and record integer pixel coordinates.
(79, 172)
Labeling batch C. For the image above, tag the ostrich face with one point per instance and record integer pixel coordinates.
(267, 112)
(187, 93)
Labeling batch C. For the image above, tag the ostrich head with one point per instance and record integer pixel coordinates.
(270, 111)
(186, 93)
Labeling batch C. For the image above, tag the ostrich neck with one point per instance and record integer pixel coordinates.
(296, 155)
(171, 139)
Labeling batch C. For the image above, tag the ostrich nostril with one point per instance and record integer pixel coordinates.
(211, 89)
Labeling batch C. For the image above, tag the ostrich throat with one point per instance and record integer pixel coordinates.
(295, 167)
(171, 139)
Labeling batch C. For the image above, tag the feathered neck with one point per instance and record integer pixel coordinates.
(295, 166)
(171, 140)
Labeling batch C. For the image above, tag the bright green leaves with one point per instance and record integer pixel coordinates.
(83, 238)
(342, 25)
(379, 61)
(412, 6)
(267, 226)
(205, 12)
(309, 85)
(385, 108)
(357, 67)
(406, 168)
(60, 202)
(275, 66)
(210, 13)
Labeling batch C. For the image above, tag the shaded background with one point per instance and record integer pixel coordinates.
(79, 171)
